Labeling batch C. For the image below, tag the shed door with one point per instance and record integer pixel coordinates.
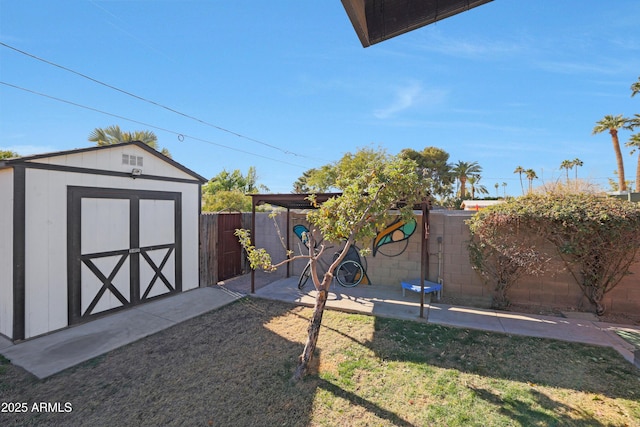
(124, 249)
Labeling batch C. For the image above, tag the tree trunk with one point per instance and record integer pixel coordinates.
(313, 331)
(638, 175)
(521, 184)
(619, 161)
(318, 311)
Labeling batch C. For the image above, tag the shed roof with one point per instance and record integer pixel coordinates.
(377, 20)
(25, 159)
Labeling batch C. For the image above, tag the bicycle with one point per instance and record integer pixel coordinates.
(349, 273)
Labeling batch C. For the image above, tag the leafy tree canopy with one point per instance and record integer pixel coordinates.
(226, 201)
(372, 182)
(228, 191)
(8, 154)
(433, 164)
(230, 181)
(433, 169)
(302, 184)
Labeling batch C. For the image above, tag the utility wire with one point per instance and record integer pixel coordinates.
(180, 135)
(153, 102)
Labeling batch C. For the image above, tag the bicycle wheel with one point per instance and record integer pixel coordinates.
(304, 276)
(349, 273)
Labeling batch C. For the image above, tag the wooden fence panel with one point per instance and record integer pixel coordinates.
(208, 249)
(221, 256)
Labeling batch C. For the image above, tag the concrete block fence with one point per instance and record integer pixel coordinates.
(449, 263)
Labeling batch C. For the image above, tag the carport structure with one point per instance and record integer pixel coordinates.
(303, 201)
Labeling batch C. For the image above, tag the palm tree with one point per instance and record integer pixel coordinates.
(566, 164)
(520, 170)
(635, 89)
(634, 142)
(474, 183)
(576, 163)
(114, 135)
(497, 186)
(504, 190)
(612, 124)
(531, 175)
(463, 170)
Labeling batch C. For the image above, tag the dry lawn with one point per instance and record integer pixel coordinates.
(232, 367)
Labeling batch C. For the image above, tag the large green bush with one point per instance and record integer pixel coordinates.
(597, 238)
(501, 253)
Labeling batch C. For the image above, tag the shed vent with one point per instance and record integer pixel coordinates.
(131, 160)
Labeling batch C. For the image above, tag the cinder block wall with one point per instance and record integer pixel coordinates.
(449, 262)
(266, 233)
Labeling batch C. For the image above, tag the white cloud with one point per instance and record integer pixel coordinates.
(449, 45)
(407, 97)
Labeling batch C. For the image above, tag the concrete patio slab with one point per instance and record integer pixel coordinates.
(388, 301)
(465, 317)
(4, 343)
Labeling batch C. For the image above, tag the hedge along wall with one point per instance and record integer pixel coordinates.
(460, 281)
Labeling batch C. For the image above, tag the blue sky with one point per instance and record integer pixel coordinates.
(508, 83)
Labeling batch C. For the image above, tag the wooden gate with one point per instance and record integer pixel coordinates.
(220, 250)
(229, 249)
(124, 248)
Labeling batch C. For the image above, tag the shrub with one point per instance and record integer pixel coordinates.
(597, 238)
(500, 253)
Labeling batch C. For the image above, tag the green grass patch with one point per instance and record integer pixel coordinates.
(233, 367)
(3, 364)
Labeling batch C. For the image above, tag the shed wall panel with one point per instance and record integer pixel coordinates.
(112, 160)
(56, 231)
(46, 239)
(44, 251)
(6, 252)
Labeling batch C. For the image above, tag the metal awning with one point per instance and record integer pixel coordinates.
(378, 20)
(301, 201)
(292, 200)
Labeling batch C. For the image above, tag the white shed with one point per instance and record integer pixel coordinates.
(89, 231)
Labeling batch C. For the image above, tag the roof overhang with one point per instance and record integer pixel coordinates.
(378, 20)
(292, 200)
(308, 200)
